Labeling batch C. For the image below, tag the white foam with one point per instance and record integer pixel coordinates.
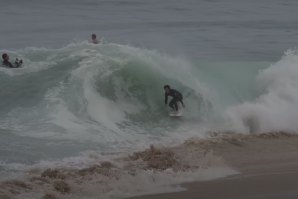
(276, 109)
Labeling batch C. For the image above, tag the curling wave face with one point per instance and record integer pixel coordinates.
(109, 95)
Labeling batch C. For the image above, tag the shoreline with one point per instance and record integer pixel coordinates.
(262, 186)
(224, 166)
(268, 167)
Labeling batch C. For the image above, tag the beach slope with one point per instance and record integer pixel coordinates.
(268, 166)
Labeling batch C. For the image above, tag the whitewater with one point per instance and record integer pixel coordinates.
(75, 104)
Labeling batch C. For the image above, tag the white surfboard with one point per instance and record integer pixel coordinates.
(175, 114)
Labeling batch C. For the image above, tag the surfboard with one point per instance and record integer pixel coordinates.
(175, 114)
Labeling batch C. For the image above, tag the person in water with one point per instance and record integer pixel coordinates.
(177, 97)
(94, 39)
(7, 63)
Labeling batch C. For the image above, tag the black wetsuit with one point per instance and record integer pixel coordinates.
(177, 96)
(10, 65)
(7, 64)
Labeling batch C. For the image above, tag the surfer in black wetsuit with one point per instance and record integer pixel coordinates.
(7, 63)
(177, 97)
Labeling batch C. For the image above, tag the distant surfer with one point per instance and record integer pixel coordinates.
(7, 63)
(177, 97)
(94, 39)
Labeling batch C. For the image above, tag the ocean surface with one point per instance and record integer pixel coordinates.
(234, 61)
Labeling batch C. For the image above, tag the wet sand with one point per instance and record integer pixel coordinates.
(268, 167)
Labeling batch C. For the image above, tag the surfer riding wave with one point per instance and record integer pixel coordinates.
(177, 97)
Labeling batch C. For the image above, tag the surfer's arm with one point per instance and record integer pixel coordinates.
(182, 103)
(8, 64)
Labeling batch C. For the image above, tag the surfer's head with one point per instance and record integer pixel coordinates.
(93, 39)
(5, 56)
(166, 88)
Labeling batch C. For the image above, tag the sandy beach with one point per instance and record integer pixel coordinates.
(268, 166)
(256, 166)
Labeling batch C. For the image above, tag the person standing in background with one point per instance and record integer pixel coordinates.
(94, 39)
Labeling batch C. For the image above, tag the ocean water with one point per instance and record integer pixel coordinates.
(234, 61)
